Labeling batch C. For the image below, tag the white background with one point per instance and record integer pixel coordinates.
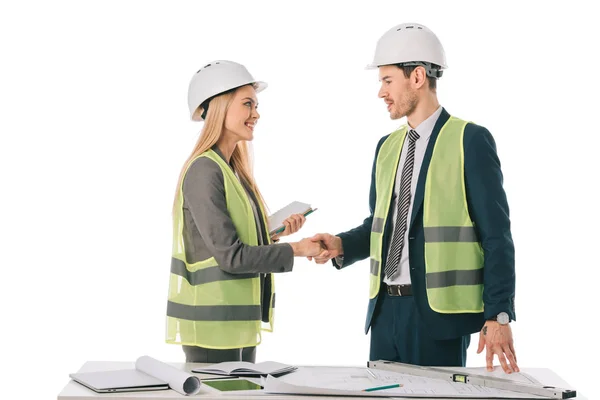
(94, 130)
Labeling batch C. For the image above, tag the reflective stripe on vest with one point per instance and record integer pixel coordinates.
(207, 306)
(453, 255)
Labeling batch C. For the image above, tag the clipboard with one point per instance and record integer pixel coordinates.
(275, 220)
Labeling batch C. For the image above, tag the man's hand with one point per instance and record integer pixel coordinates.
(332, 244)
(497, 339)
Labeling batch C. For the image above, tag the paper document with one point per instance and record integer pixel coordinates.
(149, 374)
(354, 381)
(244, 368)
(276, 220)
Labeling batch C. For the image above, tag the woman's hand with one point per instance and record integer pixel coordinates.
(307, 248)
(292, 225)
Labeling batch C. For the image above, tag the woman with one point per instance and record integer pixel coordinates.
(221, 285)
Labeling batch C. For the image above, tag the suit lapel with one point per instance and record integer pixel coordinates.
(420, 190)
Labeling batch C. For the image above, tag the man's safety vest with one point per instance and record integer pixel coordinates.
(207, 306)
(453, 254)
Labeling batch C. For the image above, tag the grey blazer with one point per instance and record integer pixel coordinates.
(209, 231)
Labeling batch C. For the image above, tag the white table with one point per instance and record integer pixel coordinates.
(75, 391)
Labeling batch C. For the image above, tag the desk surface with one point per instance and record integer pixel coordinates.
(75, 391)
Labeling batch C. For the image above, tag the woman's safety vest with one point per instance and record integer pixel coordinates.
(207, 306)
(453, 255)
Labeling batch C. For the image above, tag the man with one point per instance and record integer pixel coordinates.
(439, 240)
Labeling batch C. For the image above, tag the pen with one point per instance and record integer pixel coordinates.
(395, 385)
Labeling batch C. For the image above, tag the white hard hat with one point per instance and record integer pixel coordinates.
(215, 78)
(410, 44)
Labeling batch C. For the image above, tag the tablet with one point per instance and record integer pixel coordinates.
(230, 385)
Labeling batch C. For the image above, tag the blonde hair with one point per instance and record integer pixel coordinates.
(211, 133)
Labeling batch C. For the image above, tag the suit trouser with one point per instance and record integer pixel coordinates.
(398, 334)
(213, 356)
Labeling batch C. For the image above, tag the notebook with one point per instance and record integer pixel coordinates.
(276, 220)
(244, 368)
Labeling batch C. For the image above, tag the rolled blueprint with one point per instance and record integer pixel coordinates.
(178, 380)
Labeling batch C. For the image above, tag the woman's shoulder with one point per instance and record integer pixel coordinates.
(203, 172)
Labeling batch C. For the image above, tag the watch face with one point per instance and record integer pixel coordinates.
(503, 318)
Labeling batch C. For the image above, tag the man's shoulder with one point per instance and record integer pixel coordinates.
(475, 129)
(471, 128)
(385, 137)
(476, 136)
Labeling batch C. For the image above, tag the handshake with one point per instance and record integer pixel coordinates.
(322, 247)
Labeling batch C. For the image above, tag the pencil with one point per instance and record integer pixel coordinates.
(305, 214)
(395, 385)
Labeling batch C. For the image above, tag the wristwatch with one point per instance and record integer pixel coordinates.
(502, 318)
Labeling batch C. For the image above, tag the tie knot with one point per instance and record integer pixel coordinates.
(413, 135)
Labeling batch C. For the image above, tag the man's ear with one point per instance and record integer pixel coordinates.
(418, 77)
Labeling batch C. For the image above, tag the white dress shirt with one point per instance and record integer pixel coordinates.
(424, 130)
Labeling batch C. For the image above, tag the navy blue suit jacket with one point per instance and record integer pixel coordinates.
(488, 209)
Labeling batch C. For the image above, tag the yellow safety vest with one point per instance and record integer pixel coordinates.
(453, 254)
(207, 306)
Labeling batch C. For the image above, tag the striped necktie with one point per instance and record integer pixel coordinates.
(403, 203)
